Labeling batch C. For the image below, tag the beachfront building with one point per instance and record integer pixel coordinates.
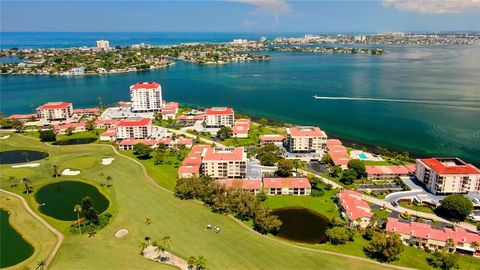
(389, 172)
(103, 44)
(338, 153)
(423, 235)
(253, 186)
(447, 175)
(271, 138)
(106, 123)
(357, 212)
(55, 111)
(306, 140)
(299, 186)
(170, 110)
(240, 128)
(218, 117)
(134, 128)
(189, 119)
(224, 162)
(146, 97)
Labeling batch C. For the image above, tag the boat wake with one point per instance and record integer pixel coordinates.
(457, 103)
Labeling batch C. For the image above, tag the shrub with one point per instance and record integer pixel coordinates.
(317, 193)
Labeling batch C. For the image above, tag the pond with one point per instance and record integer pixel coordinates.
(21, 156)
(75, 141)
(58, 199)
(13, 247)
(302, 225)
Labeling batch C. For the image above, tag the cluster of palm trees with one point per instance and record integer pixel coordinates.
(108, 180)
(27, 182)
(197, 263)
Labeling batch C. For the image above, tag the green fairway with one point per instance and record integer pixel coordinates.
(134, 197)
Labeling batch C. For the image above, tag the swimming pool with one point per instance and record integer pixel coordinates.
(362, 156)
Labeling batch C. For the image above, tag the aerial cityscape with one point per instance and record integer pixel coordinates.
(240, 134)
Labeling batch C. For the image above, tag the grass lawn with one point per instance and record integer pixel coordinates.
(323, 205)
(134, 198)
(42, 240)
(81, 135)
(381, 213)
(419, 208)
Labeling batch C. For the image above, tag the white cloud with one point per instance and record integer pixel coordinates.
(435, 6)
(275, 8)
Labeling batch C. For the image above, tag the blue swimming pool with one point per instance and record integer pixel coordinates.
(362, 156)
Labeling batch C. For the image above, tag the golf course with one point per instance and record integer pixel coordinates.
(133, 197)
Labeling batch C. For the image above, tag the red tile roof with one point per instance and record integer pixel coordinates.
(242, 184)
(290, 182)
(271, 137)
(195, 155)
(333, 142)
(353, 205)
(68, 125)
(425, 231)
(135, 141)
(22, 116)
(54, 105)
(226, 154)
(134, 122)
(441, 168)
(87, 110)
(194, 169)
(219, 111)
(109, 133)
(184, 141)
(305, 132)
(145, 85)
(240, 128)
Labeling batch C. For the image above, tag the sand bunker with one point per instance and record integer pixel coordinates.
(29, 165)
(121, 233)
(4, 137)
(70, 172)
(107, 161)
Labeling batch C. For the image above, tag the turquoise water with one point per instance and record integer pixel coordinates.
(13, 247)
(426, 100)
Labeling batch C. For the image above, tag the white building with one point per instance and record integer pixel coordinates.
(146, 97)
(306, 140)
(219, 117)
(103, 44)
(298, 186)
(134, 128)
(55, 111)
(448, 175)
(229, 162)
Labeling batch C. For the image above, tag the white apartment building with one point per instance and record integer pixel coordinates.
(134, 128)
(103, 44)
(228, 162)
(447, 175)
(146, 97)
(306, 140)
(55, 111)
(219, 117)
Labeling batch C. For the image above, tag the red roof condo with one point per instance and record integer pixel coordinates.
(145, 85)
(55, 105)
(134, 122)
(218, 111)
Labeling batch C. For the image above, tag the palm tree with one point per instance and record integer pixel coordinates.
(25, 155)
(201, 263)
(12, 179)
(148, 221)
(109, 180)
(450, 242)
(475, 245)
(78, 209)
(142, 247)
(41, 265)
(167, 240)
(354, 146)
(191, 262)
(296, 164)
(28, 184)
(55, 170)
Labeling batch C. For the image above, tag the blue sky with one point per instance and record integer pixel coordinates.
(241, 16)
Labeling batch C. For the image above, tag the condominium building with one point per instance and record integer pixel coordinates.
(306, 140)
(219, 117)
(299, 186)
(271, 138)
(254, 186)
(389, 172)
(448, 175)
(146, 97)
(241, 128)
(103, 44)
(357, 212)
(134, 128)
(55, 111)
(227, 162)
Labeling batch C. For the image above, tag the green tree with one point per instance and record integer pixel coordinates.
(167, 240)
(201, 263)
(55, 170)
(264, 222)
(92, 216)
(86, 203)
(335, 171)
(224, 133)
(337, 235)
(284, 168)
(47, 135)
(268, 154)
(443, 260)
(455, 207)
(28, 185)
(385, 247)
(263, 122)
(326, 158)
(348, 176)
(41, 265)
(90, 124)
(142, 151)
(69, 131)
(17, 125)
(358, 166)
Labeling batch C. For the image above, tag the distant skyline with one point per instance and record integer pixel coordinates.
(240, 16)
